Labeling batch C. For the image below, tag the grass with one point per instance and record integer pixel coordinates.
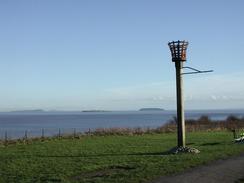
(131, 158)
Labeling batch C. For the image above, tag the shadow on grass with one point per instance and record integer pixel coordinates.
(106, 172)
(211, 144)
(190, 143)
(104, 155)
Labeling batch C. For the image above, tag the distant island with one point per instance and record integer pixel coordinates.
(151, 109)
(28, 111)
(95, 111)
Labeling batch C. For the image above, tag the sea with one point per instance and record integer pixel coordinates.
(14, 125)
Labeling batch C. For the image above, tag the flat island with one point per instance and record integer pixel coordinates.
(151, 109)
(95, 111)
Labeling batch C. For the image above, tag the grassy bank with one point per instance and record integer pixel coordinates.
(204, 123)
(135, 158)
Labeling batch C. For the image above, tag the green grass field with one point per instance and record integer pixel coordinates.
(109, 158)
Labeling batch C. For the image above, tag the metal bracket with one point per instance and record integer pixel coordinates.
(196, 71)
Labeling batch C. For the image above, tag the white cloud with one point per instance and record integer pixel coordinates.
(216, 89)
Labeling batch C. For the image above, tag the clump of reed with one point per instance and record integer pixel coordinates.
(120, 131)
(204, 123)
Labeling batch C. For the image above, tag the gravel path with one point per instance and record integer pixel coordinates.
(221, 171)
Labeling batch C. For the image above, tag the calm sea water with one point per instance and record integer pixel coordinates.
(15, 124)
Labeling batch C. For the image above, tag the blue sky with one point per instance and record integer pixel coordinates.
(112, 54)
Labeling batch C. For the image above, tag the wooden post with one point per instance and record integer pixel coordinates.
(74, 132)
(234, 133)
(180, 104)
(43, 133)
(59, 133)
(6, 138)
(26, 135)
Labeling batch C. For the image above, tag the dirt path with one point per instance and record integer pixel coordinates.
(221, 171)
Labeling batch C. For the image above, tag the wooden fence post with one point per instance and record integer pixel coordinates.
(43, 133)
(26, 135)
(59, 132)
(74, 132)
(6, 138)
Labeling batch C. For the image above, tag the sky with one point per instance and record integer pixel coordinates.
(113, 54)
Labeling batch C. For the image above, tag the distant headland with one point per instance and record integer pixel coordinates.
(151, 109)
(29, 111)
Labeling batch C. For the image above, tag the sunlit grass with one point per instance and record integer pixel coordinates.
(134, 158)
